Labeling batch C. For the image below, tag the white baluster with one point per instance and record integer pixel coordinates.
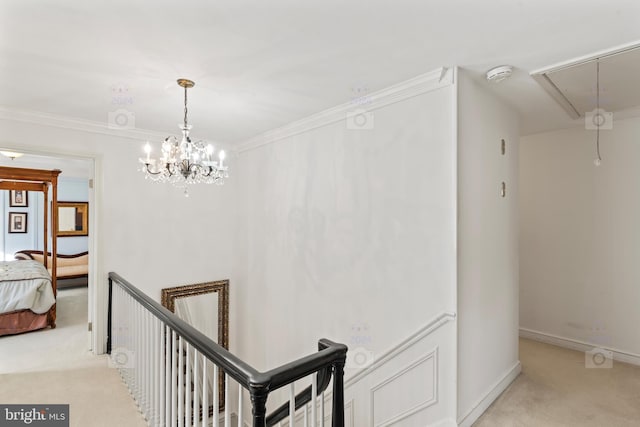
(322, 409)
(205, 395)
(160, 373)
(227, 411)
(306, 416)
(216, 397)
(188, 385)
(167, 376)
(292, 404)
(240, 390)
(180, 382)
(174, 381)
(196, 389)
(137, 370)
(145, 368)
(314, 397)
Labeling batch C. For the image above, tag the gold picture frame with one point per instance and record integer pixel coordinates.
(171, 296)
(73, 219)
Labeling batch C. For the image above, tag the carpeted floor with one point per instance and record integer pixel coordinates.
(556, 389)
(55, 366)
(65, 347)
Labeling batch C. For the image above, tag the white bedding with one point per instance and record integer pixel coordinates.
(25, 285)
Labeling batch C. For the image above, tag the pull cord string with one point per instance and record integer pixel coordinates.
(599, 115)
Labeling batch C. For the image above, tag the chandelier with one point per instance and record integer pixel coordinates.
(182, 161)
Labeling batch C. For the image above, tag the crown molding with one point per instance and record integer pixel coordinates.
(419, 85)
(436, 79)
(82, 125)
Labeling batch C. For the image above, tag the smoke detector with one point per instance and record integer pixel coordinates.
(498, 74)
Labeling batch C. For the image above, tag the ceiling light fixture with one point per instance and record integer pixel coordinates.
(183, 161)
(11, 154)
(498, 74)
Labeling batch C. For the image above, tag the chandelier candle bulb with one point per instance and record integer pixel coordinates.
(147, 149)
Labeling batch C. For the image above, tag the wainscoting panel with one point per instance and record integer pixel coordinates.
(411, 385)
(389, 401)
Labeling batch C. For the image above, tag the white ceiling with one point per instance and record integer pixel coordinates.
(259, 65)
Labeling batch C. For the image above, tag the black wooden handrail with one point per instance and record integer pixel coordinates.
(304, 397)
(328, 361)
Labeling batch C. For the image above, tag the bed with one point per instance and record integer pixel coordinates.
(26, 297)
(27, 290)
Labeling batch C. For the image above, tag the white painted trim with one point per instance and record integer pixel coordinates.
(97, 279)
(427, 329)
(490, 396)
(53, 120)
(588, 57)
(433, 354)
(618, 355)
(424, 83)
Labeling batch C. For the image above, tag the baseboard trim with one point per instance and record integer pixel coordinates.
(493, 393)
(618, 355)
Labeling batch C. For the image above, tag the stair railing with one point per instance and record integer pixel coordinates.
(172, 371)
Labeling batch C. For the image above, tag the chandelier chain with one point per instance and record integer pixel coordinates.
(185, 107)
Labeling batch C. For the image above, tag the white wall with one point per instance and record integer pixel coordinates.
(69, 189)
(580, 236)
(350, 235)
(149, 233)
(487, 248)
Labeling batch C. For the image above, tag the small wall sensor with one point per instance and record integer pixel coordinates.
(498, 74)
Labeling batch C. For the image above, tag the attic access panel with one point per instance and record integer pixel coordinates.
(573, 84)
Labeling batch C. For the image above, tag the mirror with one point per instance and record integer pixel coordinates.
(205, 306)
(73, 219)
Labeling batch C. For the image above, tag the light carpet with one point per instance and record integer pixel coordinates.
(55, 366)
(556, 389)
(65, 347)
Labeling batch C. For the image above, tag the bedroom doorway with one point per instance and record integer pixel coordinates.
(73, 337)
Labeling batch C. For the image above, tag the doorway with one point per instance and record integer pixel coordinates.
(76, 285)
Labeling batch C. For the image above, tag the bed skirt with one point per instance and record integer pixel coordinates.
(17, 322)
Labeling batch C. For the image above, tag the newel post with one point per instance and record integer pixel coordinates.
(259, 402)
(337, 419)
